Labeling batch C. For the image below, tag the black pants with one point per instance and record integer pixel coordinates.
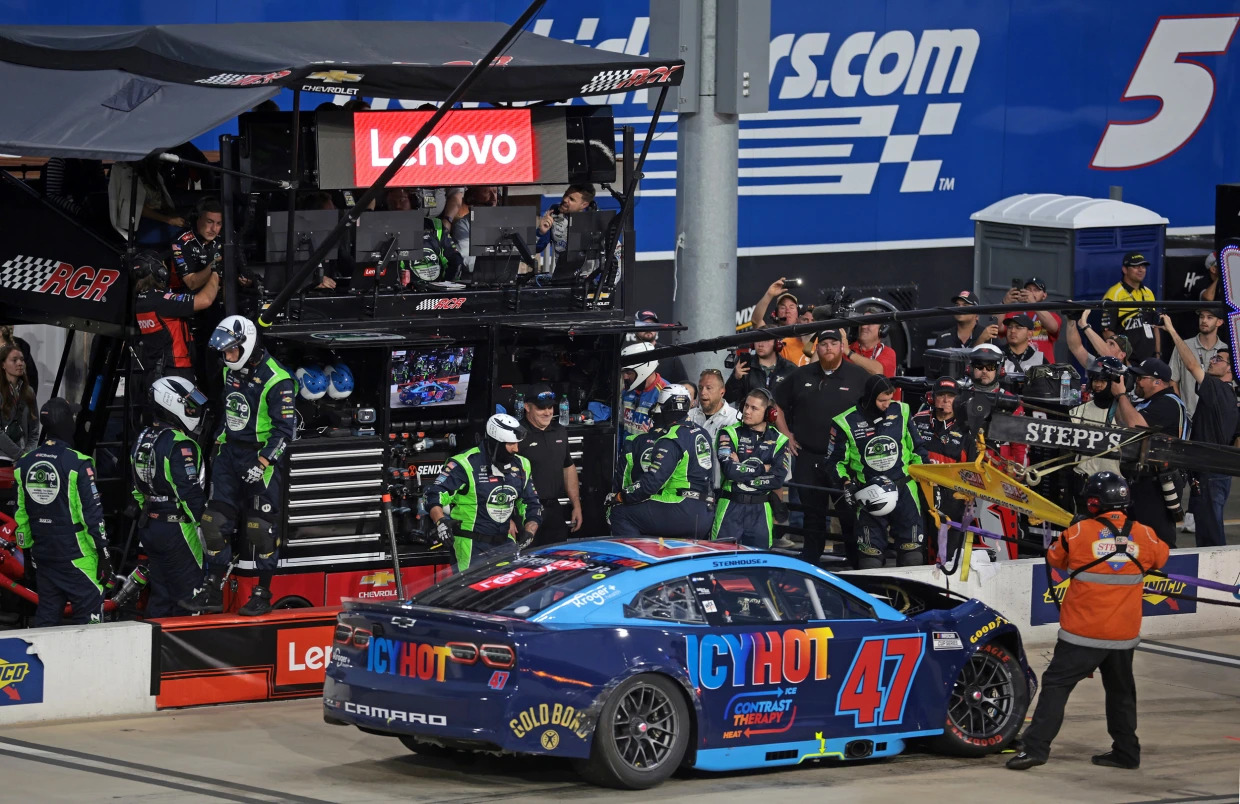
(687, 519)
(175, 554)
(552, 529)
(809, 469)
(1148, 509)
(901, 529)
(1070, 664)
(64, 581)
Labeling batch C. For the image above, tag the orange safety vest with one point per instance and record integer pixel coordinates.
(1107, 559)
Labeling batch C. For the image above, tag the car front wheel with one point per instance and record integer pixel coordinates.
(987, 704)
(641, 736)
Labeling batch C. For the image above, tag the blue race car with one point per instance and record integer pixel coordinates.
(638, 656)
(424, 393)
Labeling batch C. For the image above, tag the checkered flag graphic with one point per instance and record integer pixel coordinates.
(223, 79)
(26, 273)
(606, 81)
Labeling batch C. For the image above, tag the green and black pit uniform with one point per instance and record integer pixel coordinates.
(483, 501)
(882, 444)
(441, 258)
(753, 464)
(167, 483)
(671, 497)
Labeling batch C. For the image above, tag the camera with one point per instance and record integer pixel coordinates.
(1152, 316)
(733, 353)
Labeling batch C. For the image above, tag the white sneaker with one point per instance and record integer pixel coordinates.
(783, 543)
(1190, 524)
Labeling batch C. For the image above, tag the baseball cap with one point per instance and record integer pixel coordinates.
(1123, 343)
(1037, 283)
(787, 295)
(965, 296)
(1020, 320)
(645, 317)
(1135, 258)
(946, 385)
(541, 396)
(829, 335)
(1153, 367)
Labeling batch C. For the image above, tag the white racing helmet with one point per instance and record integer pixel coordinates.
(673, 405)
(878, 498)
(179, 403)
(235, 331)
(502, 429)
(644, 370)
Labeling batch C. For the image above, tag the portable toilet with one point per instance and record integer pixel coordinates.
(1074, 244)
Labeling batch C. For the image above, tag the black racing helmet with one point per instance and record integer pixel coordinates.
(1106, 491)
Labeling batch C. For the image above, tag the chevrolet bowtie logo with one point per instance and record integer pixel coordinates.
(335, 77)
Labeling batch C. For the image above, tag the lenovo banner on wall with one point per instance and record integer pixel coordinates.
(484, 146)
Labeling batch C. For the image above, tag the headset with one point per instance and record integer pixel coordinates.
(772, 412)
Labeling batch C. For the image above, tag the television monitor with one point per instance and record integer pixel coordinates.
(311, 227)
(375, 231)
(430, 376)
(491, 230)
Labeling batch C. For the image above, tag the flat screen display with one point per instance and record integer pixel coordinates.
(430, 377)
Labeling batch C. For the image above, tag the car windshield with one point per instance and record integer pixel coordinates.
(523, 586)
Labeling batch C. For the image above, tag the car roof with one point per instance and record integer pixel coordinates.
(649, 549)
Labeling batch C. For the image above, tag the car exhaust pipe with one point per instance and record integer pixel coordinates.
(858, 749)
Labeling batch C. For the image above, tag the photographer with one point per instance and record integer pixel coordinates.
(1155, 496)
(764, 367)
(1045, 324)
(787, 313)
(1141, 327)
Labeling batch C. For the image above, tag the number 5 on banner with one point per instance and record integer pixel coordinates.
(1229, 265)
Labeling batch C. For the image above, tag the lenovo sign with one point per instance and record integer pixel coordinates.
(302, 654)
(484, 146)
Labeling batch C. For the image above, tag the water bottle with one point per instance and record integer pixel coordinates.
(518, 403)
(1065, 389)
(564, 411)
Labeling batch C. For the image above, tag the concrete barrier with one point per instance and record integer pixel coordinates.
(1019, 590)
(76, 671)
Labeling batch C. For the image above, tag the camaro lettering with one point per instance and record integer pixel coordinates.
(392, 715)
(757, 658)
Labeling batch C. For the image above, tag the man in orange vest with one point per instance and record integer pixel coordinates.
(1099, 622)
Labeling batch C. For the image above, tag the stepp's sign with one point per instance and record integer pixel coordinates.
(483, 146)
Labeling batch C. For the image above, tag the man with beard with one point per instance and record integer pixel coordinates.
(1203, 348)
(1098, 409)
(944, 440)
(1159, 408)
(969, 330)
(808, 400)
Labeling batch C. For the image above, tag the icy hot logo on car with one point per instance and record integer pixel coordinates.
(759, 658)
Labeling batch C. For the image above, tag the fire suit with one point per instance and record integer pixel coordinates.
(865, 449)
(440, 258)
(1100, 626)
(57, 499)
(258, 421)
(468, 478)
(944, 442)
(635, 454)
(753, 464)
(168, 477)
(191, 255)
(671, 496)
(637, 405)
(166, 347)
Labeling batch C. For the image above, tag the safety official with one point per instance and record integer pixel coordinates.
(485, 491)
(250, 462)
(1106, 557)
(873, 442)
(945, 443)
(808, 400)
(60, 523)
(672, 496)
(753, 461)
(1155, 495)
(555, 474)
(168, 488)
(166, 343)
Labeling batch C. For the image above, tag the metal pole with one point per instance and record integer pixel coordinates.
(227, 194)
(268, 316)
(290, 242)
(629, 248)
(706, 200)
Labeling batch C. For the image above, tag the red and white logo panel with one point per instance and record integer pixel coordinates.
(483, 146)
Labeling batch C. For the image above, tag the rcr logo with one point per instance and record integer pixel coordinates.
(1183, 88)
(897, 59)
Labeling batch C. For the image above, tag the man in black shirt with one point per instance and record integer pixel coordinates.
(546, 448)
(762, 368)
(969, 330)
(808, 400)
(1214, 422)
(1161, 410)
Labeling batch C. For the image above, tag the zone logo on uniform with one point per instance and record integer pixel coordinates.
(43, 275)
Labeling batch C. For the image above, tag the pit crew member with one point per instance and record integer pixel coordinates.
(753, 460)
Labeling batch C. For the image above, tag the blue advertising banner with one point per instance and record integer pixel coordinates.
(1155, 602)
(891, 122)
(21, 673)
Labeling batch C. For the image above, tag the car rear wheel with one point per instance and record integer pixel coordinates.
(987, 704)
(641, 736)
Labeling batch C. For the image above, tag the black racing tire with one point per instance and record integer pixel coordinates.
(292, 602)
(641, 736)
(428, 749)
(986, 706)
